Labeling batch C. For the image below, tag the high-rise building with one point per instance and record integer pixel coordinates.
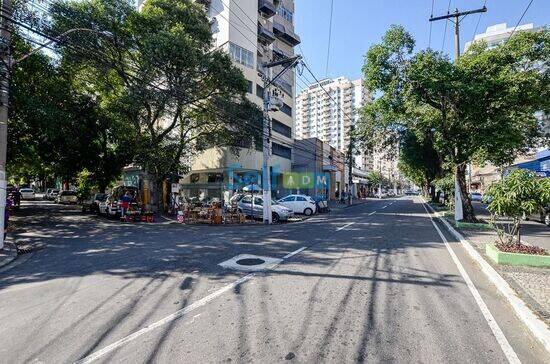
(326, 111)
(252, 32)
(498, 34)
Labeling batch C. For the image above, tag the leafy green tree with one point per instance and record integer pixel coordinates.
(480, 108)
(419, 161)
(156, 68)
(519, 194)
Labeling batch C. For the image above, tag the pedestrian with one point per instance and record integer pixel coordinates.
(125, 201)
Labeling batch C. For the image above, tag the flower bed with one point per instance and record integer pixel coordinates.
(521, 249)
(532, 260)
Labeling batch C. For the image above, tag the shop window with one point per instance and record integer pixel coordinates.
(195, 178)
(215, 177)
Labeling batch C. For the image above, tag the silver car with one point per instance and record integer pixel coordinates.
(27, 194)
(253, 206)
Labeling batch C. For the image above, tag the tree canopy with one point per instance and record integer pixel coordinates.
(480, 108)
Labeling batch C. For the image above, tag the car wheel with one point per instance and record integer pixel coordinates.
(308, 212)
(275, 217)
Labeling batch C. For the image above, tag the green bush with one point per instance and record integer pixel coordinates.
(519, 194)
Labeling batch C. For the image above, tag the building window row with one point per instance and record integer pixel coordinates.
(281, 150)
(286, 14)
(241, 55)
(281, 128)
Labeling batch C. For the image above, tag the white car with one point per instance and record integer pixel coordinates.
(27, 193)
(299, 204)
(476, 196)
(67, 196)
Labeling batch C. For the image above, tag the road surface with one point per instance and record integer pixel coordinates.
(371, 283)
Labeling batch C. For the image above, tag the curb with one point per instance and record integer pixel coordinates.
(537, 327)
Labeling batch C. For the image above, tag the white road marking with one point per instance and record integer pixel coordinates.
(372, 213)
(497, 332)
(291, 254)
(345, 226)
(176, 315)
(383, 207)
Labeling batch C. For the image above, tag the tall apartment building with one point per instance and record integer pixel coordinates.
(329, 118)
(252, 32)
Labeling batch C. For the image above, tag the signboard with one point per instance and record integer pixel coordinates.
(175, 187)
(293, 180)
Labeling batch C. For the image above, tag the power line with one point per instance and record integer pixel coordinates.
(519, 21)
(329, 36)
(478, 20)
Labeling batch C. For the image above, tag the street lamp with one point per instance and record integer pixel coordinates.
(5, 67)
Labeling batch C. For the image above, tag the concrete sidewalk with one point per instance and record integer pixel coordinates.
(532, 284)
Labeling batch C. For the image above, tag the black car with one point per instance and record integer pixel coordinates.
(92, 203)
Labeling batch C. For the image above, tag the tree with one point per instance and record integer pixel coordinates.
(419, 161)
(156, 68)
(56, 130)
(519, 194)
(480, 109)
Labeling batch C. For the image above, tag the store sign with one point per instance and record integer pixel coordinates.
(293, 180)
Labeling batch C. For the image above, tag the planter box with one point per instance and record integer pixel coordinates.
(516, 259)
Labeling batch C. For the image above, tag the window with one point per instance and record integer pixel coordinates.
(194, 178)
(215, 177)
(281, 128)
(288, 199)
(286, 109)
(285, 14)
(250, 87)
(247, 200)
(258, 201)
(281, 151)
(301, 199)
(241, 55)
(260, 91)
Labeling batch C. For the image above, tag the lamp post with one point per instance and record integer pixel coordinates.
(6, 64)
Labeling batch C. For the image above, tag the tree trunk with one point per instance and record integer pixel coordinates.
(467, 208)
(432, 192)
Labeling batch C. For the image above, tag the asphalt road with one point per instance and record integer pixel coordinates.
(372, 283)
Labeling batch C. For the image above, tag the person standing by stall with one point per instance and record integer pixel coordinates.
(125, 202)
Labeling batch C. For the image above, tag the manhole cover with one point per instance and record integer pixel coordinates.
(250, 261)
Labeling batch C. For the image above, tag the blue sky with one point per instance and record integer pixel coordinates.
(358, 24)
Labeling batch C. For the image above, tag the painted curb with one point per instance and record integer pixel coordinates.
(530, 260)
(537, 327)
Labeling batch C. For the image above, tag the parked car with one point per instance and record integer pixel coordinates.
(51, 194)
(111, 206)
(66, 197)
(476, 196)
(253, 206)
(543, 216)
(299, 204)
(92, 203)
(27, 194)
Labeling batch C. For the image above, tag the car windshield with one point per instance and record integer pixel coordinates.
(26, 190)
(68, 193)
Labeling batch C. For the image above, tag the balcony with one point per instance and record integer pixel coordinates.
(285, 34)
(267, 8)
(265, 35)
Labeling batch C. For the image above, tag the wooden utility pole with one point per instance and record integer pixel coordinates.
(459, 213)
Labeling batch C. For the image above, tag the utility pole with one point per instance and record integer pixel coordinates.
(351, 146)
(459, 213)
(268, 106)
(5, 60)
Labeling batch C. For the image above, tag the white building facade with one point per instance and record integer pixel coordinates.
(329, 118)
(252, 32)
